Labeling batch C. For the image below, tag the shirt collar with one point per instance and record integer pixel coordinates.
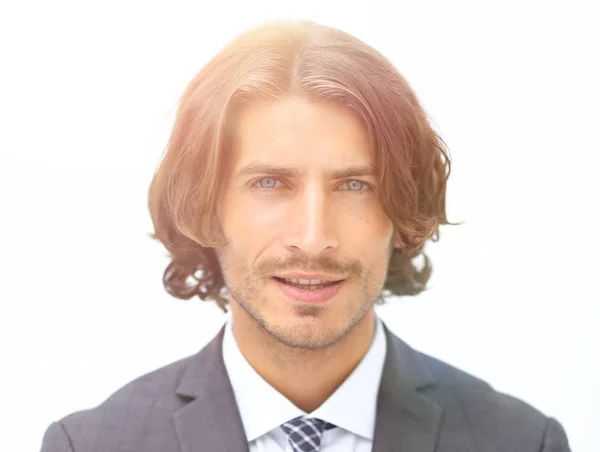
(351, 407)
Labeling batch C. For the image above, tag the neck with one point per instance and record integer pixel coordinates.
(305, 377)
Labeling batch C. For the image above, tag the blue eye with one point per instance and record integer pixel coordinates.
(353, 185)
(270, 183)
(356, 185)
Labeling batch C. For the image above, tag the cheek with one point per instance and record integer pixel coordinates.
(257, 219)
(249, 227)
(371, 228)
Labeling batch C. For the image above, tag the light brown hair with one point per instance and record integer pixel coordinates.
(319, 63)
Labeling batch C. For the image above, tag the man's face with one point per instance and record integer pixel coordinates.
(285, 212)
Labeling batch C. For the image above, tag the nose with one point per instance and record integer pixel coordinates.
(311, 224)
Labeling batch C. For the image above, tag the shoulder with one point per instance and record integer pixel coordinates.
(474, 393)
(452, 388)
(487, 416)
(146, 390)
(132, 413)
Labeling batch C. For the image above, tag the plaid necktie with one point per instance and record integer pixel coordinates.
(304, 434)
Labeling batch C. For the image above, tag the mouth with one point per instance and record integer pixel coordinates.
(308, 291)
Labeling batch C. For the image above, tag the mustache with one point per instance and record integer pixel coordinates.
(316, 264)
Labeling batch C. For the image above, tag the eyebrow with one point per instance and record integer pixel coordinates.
(287, 172)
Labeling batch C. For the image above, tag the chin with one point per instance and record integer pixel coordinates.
(305, 330)
(305, 338)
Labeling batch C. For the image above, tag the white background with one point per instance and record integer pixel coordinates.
(87, 96)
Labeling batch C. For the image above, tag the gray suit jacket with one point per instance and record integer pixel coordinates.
(424, 405)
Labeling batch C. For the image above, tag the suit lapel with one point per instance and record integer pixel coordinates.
(210, 421)
(407, 421)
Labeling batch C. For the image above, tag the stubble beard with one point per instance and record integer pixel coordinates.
(314, 335)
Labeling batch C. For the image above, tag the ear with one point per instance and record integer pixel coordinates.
(394, 244)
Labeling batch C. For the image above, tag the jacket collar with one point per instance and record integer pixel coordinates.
(407, 420)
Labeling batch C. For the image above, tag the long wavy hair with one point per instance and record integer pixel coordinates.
(320, 63)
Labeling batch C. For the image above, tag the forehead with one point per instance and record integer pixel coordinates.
(296, 131)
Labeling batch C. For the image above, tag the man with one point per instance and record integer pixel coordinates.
(301, 180)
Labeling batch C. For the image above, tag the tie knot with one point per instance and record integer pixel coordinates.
(304, 434)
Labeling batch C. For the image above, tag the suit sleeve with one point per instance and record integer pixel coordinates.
(555, 438)
(56, 439)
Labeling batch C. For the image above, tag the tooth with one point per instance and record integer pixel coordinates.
(304, 282)
(293, 280)
(316, 281)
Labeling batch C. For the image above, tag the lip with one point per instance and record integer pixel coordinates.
(315, 296)
(309, 276)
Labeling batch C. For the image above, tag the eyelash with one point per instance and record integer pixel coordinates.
(360, 192)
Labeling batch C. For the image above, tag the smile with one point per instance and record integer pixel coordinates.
(316, 291)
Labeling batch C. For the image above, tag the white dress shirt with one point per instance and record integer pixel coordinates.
(351, 408)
